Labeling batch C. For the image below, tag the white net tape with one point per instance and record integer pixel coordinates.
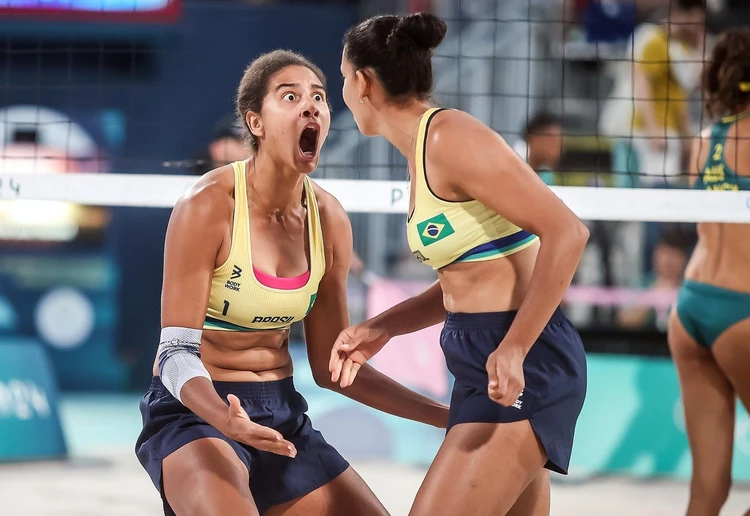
(364, 196)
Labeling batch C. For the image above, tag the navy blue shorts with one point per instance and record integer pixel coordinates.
(274, 479)
(554, 376)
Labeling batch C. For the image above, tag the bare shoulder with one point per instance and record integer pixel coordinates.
(452, 130)
(210, 198)
(458, 141)
(451, 121)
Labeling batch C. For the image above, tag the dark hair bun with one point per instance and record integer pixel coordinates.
(399, 50)
(420, 31)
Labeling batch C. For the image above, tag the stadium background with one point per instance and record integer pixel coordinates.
(147, 88)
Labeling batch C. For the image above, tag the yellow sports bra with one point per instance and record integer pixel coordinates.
(244, 298)
(443, 232)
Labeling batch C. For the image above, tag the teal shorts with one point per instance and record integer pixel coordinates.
(706, 311)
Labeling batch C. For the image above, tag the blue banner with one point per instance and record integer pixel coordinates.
(66, 300)
(29, 421)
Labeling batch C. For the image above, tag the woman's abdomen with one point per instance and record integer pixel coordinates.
(244, 356)
(489, 286)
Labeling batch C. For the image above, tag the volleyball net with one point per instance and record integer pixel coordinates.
(380, 196)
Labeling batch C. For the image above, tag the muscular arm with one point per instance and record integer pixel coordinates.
(495, 175)
(330, 316)
(191, 246)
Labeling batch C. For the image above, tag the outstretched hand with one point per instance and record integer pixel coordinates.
(353, 347)
(240, 428)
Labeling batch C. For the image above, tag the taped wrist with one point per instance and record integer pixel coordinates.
(180, 358)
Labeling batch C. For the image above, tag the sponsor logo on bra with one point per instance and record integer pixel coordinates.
(276, 319)
(236, 274)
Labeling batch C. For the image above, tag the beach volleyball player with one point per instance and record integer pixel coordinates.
(251, 248)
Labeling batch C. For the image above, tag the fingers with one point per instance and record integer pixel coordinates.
(497, 392)
(492, 375)
(335, 367)
(268, 439)
(338, 355)
(281, 447)
(334, 362)
(502, 387)
(355, 370)
(348, 372)
(235, 407)
(506, 392)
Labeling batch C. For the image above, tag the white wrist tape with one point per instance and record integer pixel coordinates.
(180, 358)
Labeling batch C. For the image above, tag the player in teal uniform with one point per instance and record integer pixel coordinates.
(709, 329)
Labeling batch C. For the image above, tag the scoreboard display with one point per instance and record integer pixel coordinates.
(117, 11)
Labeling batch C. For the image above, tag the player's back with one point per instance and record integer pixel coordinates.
(722, 160)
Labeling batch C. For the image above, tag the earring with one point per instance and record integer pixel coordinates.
(362, 101)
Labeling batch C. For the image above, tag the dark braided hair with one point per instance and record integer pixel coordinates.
(727, 73)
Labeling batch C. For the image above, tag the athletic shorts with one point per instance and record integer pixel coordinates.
(274, 479)
(554, 376)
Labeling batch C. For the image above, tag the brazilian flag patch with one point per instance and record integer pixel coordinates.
(434, 229)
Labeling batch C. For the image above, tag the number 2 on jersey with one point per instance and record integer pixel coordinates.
(718, 148)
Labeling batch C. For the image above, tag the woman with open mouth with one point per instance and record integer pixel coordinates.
(251, 248)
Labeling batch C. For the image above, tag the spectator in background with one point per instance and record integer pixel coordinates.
(667, 66)
(542, 146)
(226, 146)
(669, 259)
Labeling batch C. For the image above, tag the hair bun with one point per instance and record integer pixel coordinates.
(420, 31)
